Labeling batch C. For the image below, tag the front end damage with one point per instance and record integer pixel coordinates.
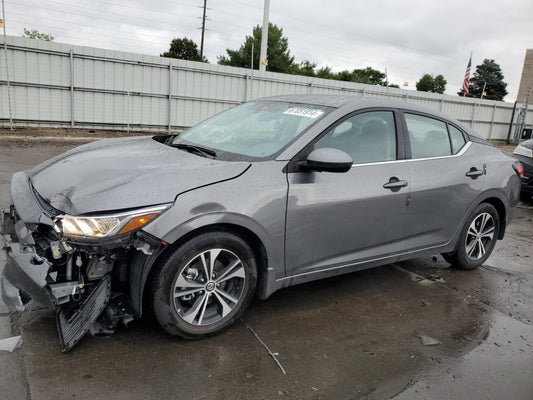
(87, 282)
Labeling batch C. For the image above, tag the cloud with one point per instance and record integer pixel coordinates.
(408, 37)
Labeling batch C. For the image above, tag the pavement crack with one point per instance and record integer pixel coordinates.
(499, 271)
(17, 330)
(270, 353)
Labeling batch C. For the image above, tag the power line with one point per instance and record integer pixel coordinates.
(104, 37)
(97, 17)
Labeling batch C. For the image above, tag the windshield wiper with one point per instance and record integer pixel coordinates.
(195, 149)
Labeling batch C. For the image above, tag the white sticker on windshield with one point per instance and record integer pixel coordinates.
(304, 112)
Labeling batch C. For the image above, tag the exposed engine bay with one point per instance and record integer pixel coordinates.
(87, 284)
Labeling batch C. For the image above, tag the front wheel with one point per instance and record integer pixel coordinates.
(205, 285)
(477, 239)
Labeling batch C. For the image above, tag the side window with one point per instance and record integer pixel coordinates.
(428, 137)
(456, 138)
(367, 137)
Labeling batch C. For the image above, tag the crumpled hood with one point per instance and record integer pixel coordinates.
(122, 173)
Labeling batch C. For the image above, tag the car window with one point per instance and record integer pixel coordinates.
(428, 137)
(254, 129)
(456, 138)
(367, 137)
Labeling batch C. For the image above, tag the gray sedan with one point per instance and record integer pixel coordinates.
(268, 194)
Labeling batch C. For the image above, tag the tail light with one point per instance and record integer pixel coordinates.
(519, 169)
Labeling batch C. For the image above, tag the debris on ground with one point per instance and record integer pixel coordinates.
(428, 340)
(10, 343)
(437, 279)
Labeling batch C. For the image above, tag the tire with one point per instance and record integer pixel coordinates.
(188, 304)
(478, 238)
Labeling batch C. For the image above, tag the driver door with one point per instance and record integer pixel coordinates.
(341, 219)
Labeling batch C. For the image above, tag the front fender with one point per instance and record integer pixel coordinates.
(142, 264)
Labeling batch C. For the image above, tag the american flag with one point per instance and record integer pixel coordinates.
(467, 77)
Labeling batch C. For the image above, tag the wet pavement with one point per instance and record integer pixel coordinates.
(365, 335)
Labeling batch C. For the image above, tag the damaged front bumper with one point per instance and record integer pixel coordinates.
(28, 275)
(73, 279)
(24, 277)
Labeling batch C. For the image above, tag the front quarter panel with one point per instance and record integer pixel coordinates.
(256, 201)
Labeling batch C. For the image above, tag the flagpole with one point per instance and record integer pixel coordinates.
(7, 68)
(469, 64)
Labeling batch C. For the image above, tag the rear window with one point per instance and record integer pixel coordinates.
(456, 139)
(428, 137)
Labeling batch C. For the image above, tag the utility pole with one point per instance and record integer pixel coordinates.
(7, 68)
(203, 31)
(263, 61)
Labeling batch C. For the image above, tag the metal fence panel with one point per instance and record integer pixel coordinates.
(56, 84)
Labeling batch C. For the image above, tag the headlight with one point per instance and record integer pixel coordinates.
(107, 225)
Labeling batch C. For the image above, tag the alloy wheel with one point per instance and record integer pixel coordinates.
(479, 236)
(209, 287)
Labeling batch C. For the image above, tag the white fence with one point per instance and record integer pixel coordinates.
(60, 85)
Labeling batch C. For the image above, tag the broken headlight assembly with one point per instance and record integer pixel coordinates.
(105, 225)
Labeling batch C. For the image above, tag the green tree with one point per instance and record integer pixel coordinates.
(35, 34)
(430, 83)
(367, 75)
(325, 73)
(306, 68)
(278, 54)
(489, 75)
(344, 76)
(370, 76)
(184, 49)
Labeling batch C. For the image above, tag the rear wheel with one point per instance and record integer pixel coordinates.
(477, 239)
(205, 285)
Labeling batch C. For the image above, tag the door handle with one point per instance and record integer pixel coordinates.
(474, 173)
(395, 184)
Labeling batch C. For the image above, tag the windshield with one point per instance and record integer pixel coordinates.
(255, 129)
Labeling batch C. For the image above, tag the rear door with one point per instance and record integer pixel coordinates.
(340, 219)
(446, 174)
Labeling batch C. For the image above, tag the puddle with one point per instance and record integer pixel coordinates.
(501, 366)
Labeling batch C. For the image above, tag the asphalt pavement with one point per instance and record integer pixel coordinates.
(413, 330)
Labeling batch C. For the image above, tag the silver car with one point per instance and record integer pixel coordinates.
(268, 194)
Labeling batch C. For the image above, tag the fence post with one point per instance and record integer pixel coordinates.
(492, 121)
(245, 87)
(170, 97)
(128, 111)
(71, 89)
(473, 116)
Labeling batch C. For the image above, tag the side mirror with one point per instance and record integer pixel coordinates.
(328, 160)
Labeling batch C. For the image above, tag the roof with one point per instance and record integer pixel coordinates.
(337, 101)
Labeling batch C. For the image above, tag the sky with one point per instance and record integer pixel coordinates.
(408, 38)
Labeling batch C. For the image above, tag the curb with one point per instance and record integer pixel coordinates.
(54, 139)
